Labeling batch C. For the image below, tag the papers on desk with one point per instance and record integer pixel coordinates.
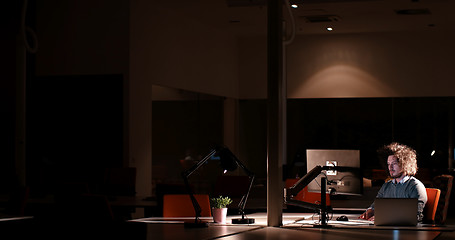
(355, 222)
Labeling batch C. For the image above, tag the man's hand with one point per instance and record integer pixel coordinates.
(368, 215)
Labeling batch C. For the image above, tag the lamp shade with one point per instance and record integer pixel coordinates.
(227, 159)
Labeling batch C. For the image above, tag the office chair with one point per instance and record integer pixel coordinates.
(444, 183)
(431, 205)
(179, 205)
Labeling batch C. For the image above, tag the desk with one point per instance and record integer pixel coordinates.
(260, 219)
(270, 233)
(5, 218)
(172, 228)
(47, 203)
(131, 203)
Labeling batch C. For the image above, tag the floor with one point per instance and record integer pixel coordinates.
(448, 235)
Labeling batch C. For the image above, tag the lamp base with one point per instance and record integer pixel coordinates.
(243, 221)
(198, 224)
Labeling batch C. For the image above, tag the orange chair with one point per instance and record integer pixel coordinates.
(432, 204)
(304, 195)
(180, 205)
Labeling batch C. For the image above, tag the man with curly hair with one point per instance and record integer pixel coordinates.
(402, 166)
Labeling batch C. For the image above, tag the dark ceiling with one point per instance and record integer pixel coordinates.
(249, 17)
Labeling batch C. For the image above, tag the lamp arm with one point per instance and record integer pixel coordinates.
(244, 199)
(190, 171)
(196, 206)
(303, 182)
(251, 176)
(248, 172)
(186, 174)
(289, 193)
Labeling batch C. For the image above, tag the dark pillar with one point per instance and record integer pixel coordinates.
(275, 123)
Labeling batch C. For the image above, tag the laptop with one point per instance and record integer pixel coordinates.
(395, 212)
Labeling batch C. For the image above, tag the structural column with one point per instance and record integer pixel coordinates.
(275, 121)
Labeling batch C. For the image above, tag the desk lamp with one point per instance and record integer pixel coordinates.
(228, 162)
(289, 193)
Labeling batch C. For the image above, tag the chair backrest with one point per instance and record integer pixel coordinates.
(180, 205)
(164, 189)
(304, 195)
(432, 204)
(444, 183)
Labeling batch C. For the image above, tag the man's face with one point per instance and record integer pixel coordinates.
(394, 167)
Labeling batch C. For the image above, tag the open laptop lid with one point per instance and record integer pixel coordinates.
(395, 212)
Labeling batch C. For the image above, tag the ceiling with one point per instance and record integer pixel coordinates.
(375, 16)
(249, 17)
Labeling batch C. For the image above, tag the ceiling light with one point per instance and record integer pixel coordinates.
(294, 6)
(329, 29)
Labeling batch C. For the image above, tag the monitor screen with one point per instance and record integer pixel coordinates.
(348, 181)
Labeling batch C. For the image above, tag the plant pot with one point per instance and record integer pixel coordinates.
(219, 215)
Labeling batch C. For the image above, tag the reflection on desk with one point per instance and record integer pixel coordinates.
(295, 226)
(270, 233)
(178, 231)
(158, 228)
(260, 219)
(5, 218)
(355, 222)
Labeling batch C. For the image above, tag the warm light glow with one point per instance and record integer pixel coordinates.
(340, 81)
(329, 29)
(294, 6)
(225, 171)
(433, 152)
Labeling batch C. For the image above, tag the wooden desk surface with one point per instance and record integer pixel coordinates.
(173, 228)
(269, 233)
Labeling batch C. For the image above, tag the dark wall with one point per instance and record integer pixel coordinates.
(369, 123)
(183, 129)
(9, 23)
(253, 135)
(74, 128)
(356, 123)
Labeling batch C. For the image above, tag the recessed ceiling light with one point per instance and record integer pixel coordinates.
(294, 6)
(329, 29)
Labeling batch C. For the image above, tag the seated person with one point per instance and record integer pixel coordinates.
(402, 166)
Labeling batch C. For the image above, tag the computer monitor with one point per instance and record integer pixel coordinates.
(348, 181)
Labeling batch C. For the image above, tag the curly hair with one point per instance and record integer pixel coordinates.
(407, 157)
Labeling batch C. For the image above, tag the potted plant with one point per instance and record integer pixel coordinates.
(219, 208)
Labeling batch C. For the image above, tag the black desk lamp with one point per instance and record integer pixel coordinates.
(304, 181)
(228, 162)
